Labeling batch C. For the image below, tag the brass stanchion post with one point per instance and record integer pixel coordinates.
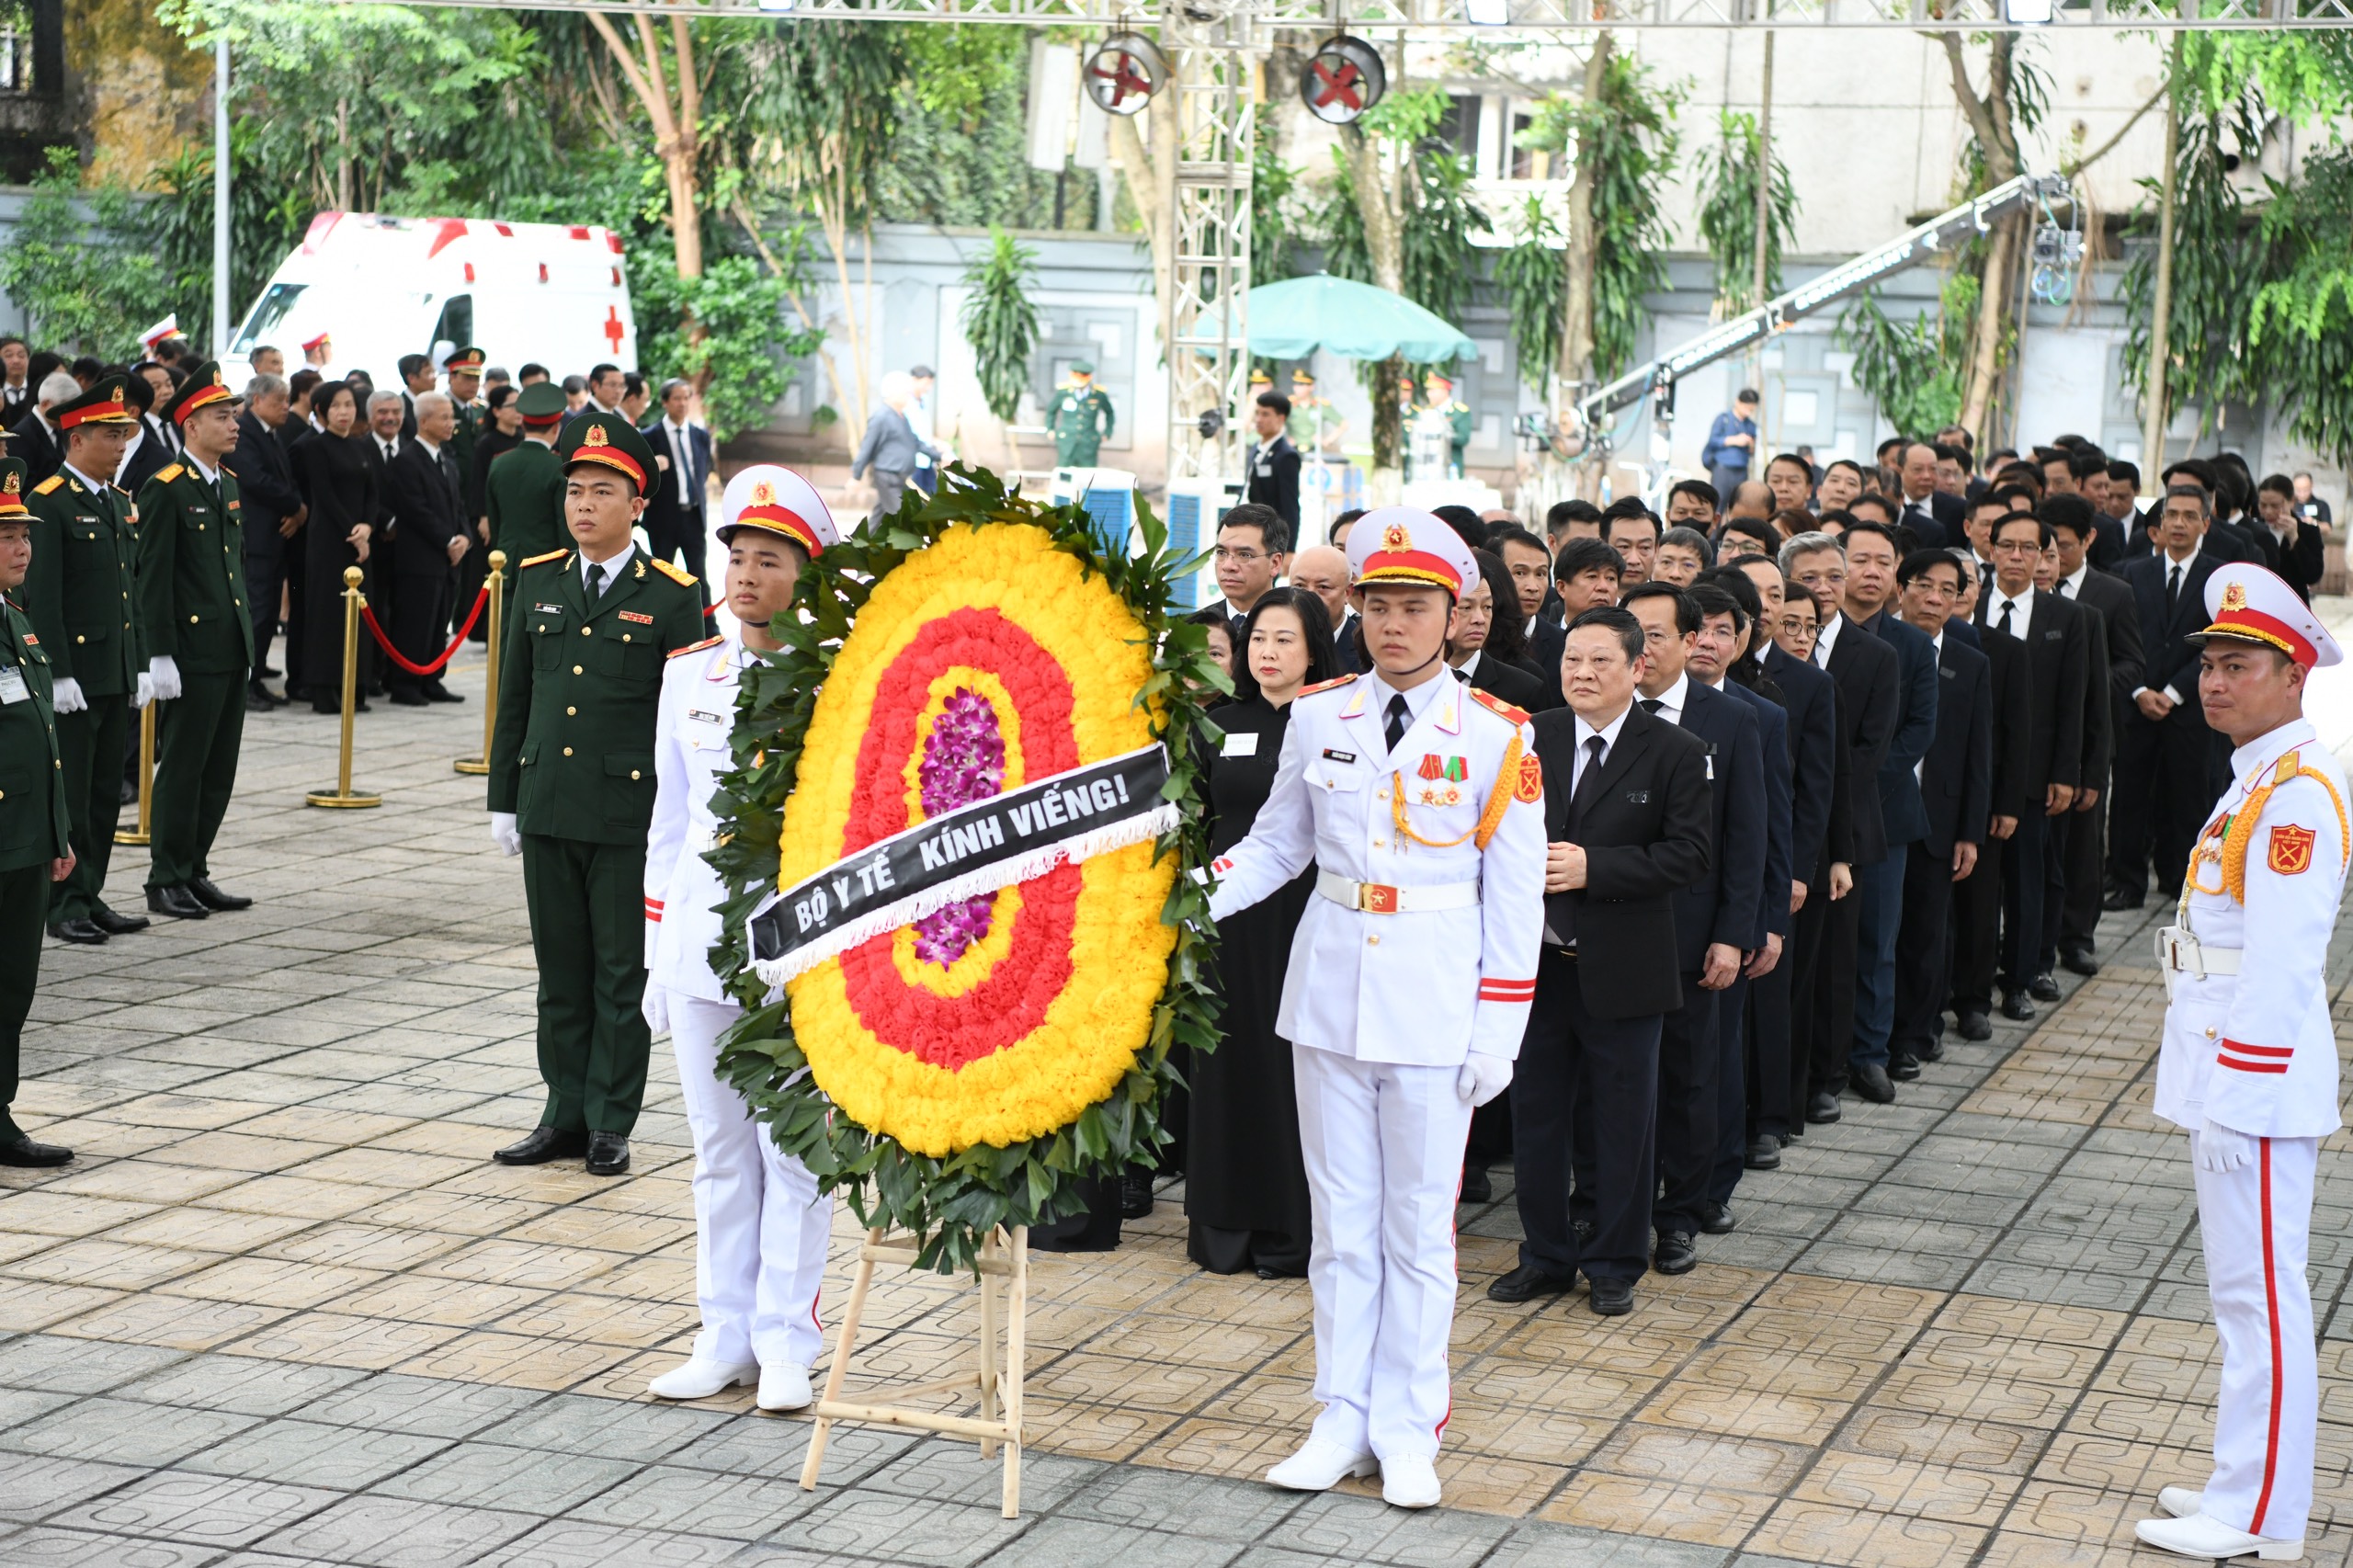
(341, 795)
(146, 777)
(492, 586)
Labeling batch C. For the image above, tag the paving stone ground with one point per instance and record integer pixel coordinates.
(283, 1310)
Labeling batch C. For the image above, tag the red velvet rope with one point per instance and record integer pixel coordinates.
(367, 614)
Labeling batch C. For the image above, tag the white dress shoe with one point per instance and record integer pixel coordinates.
(1409, 1482)
(699, 1379)
(784, 1387)
(2182, 1502)
(2199, 1536)
(1320, 1465)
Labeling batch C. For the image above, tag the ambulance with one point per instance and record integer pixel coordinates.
(380, 287)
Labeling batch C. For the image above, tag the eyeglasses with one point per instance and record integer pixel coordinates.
(1239, 557)
(1798, 629)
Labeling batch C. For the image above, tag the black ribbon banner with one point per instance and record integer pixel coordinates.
(961, 853)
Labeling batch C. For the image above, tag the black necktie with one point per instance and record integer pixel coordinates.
(2003, 626)
(1649, 705)
(2173, 590)
(596, 582)
(1588, 781)
(1399, 717)
(2063, 587)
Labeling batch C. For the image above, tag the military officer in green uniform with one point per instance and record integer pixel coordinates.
(523, 493)
(1315, 427)
(199, 645)
(1080, 420)
(462, 372)
(572, 785)
(81, 596)
(1458, 420)
(35, 850)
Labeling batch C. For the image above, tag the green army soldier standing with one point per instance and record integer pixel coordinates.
(80, 594)
(1458, 420)
(523, 493)
(35, 852)
(1080, 420)
(571, 786)
(1314, 426)
(463, 372)
(200, 643)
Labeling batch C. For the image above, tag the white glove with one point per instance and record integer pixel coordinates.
(2223, 1149)
(146, 692)
(655, 1005)
(66, 696)
(164, 674)
(1483, 1078)
(504, 834)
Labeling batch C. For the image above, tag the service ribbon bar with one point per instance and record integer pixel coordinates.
(961, 853)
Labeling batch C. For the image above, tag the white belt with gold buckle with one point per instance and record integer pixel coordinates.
(2182, 953)
(1380, 898)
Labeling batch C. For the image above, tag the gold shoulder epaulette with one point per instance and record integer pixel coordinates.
(550, 555)
(697, 647)
(1333, 685)
(676, 574)
(51, 485)
(169, 473)
(1496, 705)
(2289, 766)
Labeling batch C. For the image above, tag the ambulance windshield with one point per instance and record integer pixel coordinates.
(268, 314)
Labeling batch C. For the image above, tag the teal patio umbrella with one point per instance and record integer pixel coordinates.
(1292, 319)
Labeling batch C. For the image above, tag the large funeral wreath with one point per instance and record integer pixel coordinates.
(968, 1069)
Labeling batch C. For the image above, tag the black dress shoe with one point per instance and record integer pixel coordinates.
(177, 903)
(1528, 1281)
(441, 694)
(1764, 1152)
(78, 930)
(265, 673)
(1872, 1082)
(2043, 987)
(1715, 1219)
(1135, 1196)
(214, 897)
(2015, 1006)
(1976, 1025)
(2080, 961)
(608, 1154)
(2118, 903)
(1476, 1186)
(16, 1149)
(1935, 1050)
(1903, 1066)
(1675, 1254)
(542, 1144)
(405, 697)
(256, 702)
(115, 925)
(1822, 1109)
(1612, 1298)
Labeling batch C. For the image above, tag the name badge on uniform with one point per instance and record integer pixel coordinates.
(1638, 797)
(700, 717)
(12, 685)
(548, 609)
(197, 511)
(1332, 755)
(635, 619)
(1242, 742)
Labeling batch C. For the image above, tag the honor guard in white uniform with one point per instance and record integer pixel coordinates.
(2248, 1067)
(761, 1226)
(1420, 802)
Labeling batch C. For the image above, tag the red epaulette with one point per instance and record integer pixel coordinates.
(697, 647)
(1497, 706)
(1333, 685)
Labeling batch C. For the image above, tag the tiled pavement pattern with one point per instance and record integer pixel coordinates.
(282, 1309)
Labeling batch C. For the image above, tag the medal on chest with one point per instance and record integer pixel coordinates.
(1442, 779)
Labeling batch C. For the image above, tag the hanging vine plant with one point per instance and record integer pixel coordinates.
(1000, 320)
(970, 1065)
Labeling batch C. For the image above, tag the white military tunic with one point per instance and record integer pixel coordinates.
(2248, 1045)
(761, 1227)
(1383, 1007)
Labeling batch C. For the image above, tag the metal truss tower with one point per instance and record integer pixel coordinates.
(1206, 336)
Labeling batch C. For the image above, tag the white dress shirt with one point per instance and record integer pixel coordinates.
(687, 500)
(2022, 610)
(1417, 701)
(612, 569)
(1671, 702)
(1827, 639)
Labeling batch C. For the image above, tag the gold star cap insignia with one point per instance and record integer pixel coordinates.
(2234, 596)
(1395, 538)
(595, 435)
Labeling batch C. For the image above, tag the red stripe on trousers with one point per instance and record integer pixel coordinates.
(2272, 1307)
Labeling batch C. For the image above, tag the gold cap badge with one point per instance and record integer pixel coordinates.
(1396, 538)
(595, 435)
(2234, 595)
(764, 493)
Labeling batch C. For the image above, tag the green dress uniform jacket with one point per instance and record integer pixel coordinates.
(1080, 422)
(523, 495)
(191, 597)
(579, 691)
(1458, 426)
(81, 593)
(33, 830)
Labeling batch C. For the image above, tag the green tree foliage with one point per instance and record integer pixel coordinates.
(2213, 286)
(1728, 213)
(962, 151)
(1000, 320)
(1273, 183)
(76, 264)
(1441, 264)
(1530, 275)
(742, 353)
(265, 220)
(1913, 367)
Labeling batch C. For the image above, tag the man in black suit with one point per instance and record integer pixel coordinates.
(1323, 571)
(32, 439)
(1869, 709)
(384, 445)
(1626, 818)
(417, 379)
(432, 538)
(1715, 917)
(1253, 550)
(2058, 661)
(1933, 515)
(1586, 574)
(1870, 589)
(157, 446)
(2164, 756)
(1273, 462)
(1956, 796)
(2074, 523)
(1976, 915)
(271, 513)
(674, 512)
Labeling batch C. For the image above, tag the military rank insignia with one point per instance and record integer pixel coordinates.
(2291, 849)
(1529, 787)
